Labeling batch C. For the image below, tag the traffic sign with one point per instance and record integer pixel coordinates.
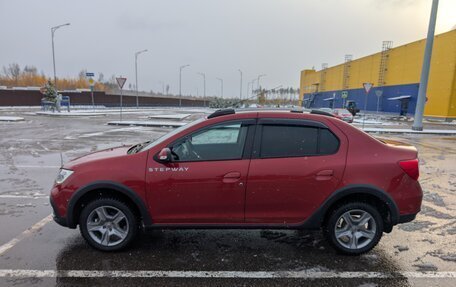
(344, 94)
(91, 82)
(379, 93)
(121, 82)
(367, 87)
(90, 74)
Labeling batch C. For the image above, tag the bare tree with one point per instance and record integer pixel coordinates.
(82, 74)
(31, 70)
(100, 77)
(12, 71)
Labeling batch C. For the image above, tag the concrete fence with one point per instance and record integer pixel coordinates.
(10, 97)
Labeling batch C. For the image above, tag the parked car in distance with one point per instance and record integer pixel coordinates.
(343, 114)
(253, 169)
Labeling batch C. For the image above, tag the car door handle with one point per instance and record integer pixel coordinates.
(324, 174)
(232, 177)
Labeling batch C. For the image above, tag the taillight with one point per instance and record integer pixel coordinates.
(411, 168)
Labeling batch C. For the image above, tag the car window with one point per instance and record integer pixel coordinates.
(295, 141)
(171, 134)
(221, 142)
(329, 143)
(219, 135)
(288, 141)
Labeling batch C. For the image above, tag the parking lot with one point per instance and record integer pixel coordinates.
(36, 251)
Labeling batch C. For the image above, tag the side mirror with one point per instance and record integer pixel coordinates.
(165, 155)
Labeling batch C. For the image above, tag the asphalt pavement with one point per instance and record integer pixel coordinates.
(36, 251)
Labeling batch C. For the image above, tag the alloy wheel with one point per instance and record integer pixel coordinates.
(107, 225)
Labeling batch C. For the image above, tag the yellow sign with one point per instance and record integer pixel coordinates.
(91, 82)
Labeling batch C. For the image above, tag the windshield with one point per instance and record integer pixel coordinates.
(170, 134)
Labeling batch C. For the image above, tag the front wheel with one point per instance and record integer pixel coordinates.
(108, 224)
(354, 228)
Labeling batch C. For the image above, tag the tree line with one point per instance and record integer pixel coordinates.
(14, 75)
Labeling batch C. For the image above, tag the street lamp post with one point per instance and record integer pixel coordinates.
(258, 80)
(253, 85)
(240, 89)
(180, 83)
(421, 100)
(53, 29)
(136, 75)
(221, 83)
(204, 88)
(163, 86)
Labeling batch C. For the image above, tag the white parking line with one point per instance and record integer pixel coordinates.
(38, 166)
(10, 244)
(304, 274)
(23, 196)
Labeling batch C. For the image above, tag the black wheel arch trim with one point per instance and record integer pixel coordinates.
(72, 223)
(315, 221)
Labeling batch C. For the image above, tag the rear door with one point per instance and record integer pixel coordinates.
(295, 165)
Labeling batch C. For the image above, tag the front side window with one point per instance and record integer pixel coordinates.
(220, 142)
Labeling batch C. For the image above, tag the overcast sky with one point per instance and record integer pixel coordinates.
(273, 37)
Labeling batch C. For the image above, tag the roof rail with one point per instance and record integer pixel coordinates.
(221, 112)
(320, 112)
(300, 111)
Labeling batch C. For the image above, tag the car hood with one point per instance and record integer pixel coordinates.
(96, 156)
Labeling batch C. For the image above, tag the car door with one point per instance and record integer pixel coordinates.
(205, 182)
(295, 165)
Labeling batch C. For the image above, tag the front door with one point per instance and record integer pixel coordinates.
(205, 182)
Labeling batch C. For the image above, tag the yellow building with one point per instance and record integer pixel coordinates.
(395, 73)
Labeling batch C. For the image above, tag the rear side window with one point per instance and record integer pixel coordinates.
(295, 141)
(288, 141)
(328, 144)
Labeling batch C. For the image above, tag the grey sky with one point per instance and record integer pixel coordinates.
(274, 37)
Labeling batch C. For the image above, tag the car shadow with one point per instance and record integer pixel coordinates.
(223, 250)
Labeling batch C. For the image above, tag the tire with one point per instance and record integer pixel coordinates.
(108, 224)
(354, 228)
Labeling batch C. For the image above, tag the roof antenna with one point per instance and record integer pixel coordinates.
(61, 159)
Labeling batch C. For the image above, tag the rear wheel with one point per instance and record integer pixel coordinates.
(354, 228)
(108, 224)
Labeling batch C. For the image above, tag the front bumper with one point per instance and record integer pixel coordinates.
(57, 218)
(406, 218)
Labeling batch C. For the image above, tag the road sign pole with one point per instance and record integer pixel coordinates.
(91, 84)
(378, 103)
(91, 93)
(367, 88)
(121, 82)
(379, 94)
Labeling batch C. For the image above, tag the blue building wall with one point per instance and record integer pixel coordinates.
(359, 96)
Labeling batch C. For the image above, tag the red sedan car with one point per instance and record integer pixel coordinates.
(261, 169)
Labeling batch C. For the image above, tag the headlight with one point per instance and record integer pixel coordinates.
(63, 175)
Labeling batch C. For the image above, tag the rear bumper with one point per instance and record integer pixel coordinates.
(406, 218)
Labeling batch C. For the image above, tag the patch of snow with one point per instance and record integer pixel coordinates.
(170, 116)
(10, 119)
(148, 123)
